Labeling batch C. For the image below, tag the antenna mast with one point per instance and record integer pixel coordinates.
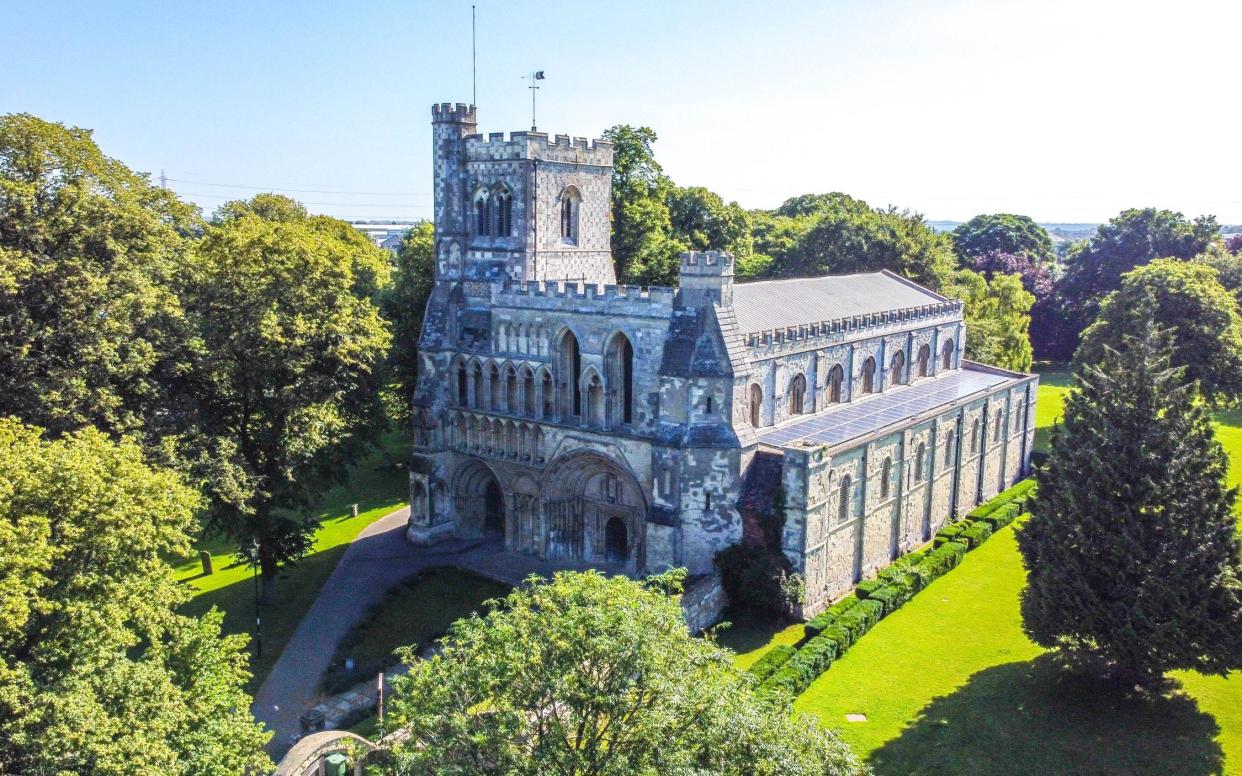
(474, 62)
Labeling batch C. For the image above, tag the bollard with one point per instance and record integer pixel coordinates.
(205, 557)
(353, 510)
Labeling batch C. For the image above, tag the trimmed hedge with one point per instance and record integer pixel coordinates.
(820, 622)
(1005, 515)
(976, 534)
(862, 617)
(771, 660)
(865, 588)
(796, 675)
(948, 533)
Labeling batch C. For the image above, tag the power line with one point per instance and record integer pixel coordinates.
(302, 191)
(307, 202)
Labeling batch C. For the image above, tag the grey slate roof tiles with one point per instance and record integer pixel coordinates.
(774, 304)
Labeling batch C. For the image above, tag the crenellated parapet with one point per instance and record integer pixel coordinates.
(450, 113)
(838, 328)
(604, 299)
(495, 146)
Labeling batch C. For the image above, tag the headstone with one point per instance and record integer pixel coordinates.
(205, 557)
(353, 510)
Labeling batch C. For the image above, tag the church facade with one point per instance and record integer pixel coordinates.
(637, 429)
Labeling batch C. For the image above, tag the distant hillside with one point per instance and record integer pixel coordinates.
(1059, 232)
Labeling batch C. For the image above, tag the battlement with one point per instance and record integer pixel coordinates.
(518, 293)
(706, 263)
(854, 323)
(448, 113)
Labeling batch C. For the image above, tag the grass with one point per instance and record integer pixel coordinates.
(950, 684)
(750, 638)
(415, 613)
(374, 484)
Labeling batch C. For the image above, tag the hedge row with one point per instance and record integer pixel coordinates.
(831, 633)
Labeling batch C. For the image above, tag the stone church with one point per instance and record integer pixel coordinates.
(637, 429)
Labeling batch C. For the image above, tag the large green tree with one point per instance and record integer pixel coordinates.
(403, 304)
(290, 354)
(91, 331)
(1093, 269)
(586, 674)
(643, 245)
(702, 221)
(848, 235)
(1001, 233)
(1132, 550)
(1202, 315)
(998, 318)
(98, 674)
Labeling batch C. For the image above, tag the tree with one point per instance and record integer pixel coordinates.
(1093, 269)
(642, 242)
(586, 674)
(1187, 298)
(703, 222)
(91, 331)
(98, 674)
(1001, 233)
(290, 348)
(997, 318)
(1037, 278)
(849, 236)
(403, 305)
(1132, 551)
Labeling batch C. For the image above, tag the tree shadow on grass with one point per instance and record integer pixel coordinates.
(748, 632)
(1034, 718)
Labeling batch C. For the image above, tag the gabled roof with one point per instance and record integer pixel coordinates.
(775, 304)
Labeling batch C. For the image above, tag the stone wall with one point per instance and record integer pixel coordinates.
(703, 602)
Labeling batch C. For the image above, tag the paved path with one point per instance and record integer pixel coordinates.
(376, 561)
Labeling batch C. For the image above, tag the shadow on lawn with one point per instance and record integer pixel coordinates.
(1033, 718)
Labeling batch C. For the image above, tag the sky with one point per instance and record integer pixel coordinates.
(1064, 111)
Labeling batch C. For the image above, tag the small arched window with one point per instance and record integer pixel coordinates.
(482, 214)
(946, 355)
(571, 202)
(886, 476)
(756, 404)
(868, 375)
(897, 369)
(1017, 421)
(974, 437)
(924, 358)
(919, 456)
(996, 432)
(797, 395)
(836, 376)
(504, 213)
(843, 500)
(463, 383)
(948, 448)
(709, 405)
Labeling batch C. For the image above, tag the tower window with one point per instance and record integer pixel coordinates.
(707, 501)
(571, 202)
(709, 405)
(504, 213)
(482, 214)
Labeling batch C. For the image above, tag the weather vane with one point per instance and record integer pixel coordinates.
(533, 77)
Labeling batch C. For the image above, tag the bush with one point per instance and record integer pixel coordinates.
(977, 534)
(861, 618)
(843, 636)
(864, 589)
(948, 533)
(772, 660)
(821, 621)
(796, 675)
(755, 579)
(1003, 516)
(939, 561)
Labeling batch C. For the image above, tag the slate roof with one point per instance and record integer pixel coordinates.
(868, 414)
(775, 304)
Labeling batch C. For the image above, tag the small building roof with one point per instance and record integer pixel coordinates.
(775, 304)
(896, 406)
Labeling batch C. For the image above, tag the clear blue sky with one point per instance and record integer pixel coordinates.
(1066, 111)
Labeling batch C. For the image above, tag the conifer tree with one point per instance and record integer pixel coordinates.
(1132, 551)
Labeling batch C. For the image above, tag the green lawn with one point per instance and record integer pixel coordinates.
(749, 638)
(374, 484)
(949, 683)
(416, 612)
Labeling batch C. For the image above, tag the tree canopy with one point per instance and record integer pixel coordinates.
(403, 304)
(586, 674)
(1001, 233)
(1187, 298)
(642, 243)
(91, 330)
(98, 674)
(1132, 551)
(998, 317)
(702, 221)
(289, 364)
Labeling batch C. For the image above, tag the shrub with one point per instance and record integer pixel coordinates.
(821, 621)
(861, 618)
(948, 533)
(865, 588)
(804, 667)
(843, 636)
(771, 660)
(977, 534)
(1003, 516)
(755, 579)
(939, 561)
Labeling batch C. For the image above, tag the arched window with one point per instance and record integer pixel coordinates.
(570, 369)
(497, 393)
(504, 213)
(924, 358)
(974, 437)
(946, 355)
(511, 390)
(595, 400)
(528, 392)
(843, 500)
(996, 432)
(868, 375)
(549, 394)
(463, 386)
(482, 214)
(836, 376)
(797, 394)
(948, 448)
(919, 458)
(1017, 420)
(756, 404)
(709, 405)
(571, 202)
(886, 476)
(476, 380)
(619, 372)
(897, 368)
